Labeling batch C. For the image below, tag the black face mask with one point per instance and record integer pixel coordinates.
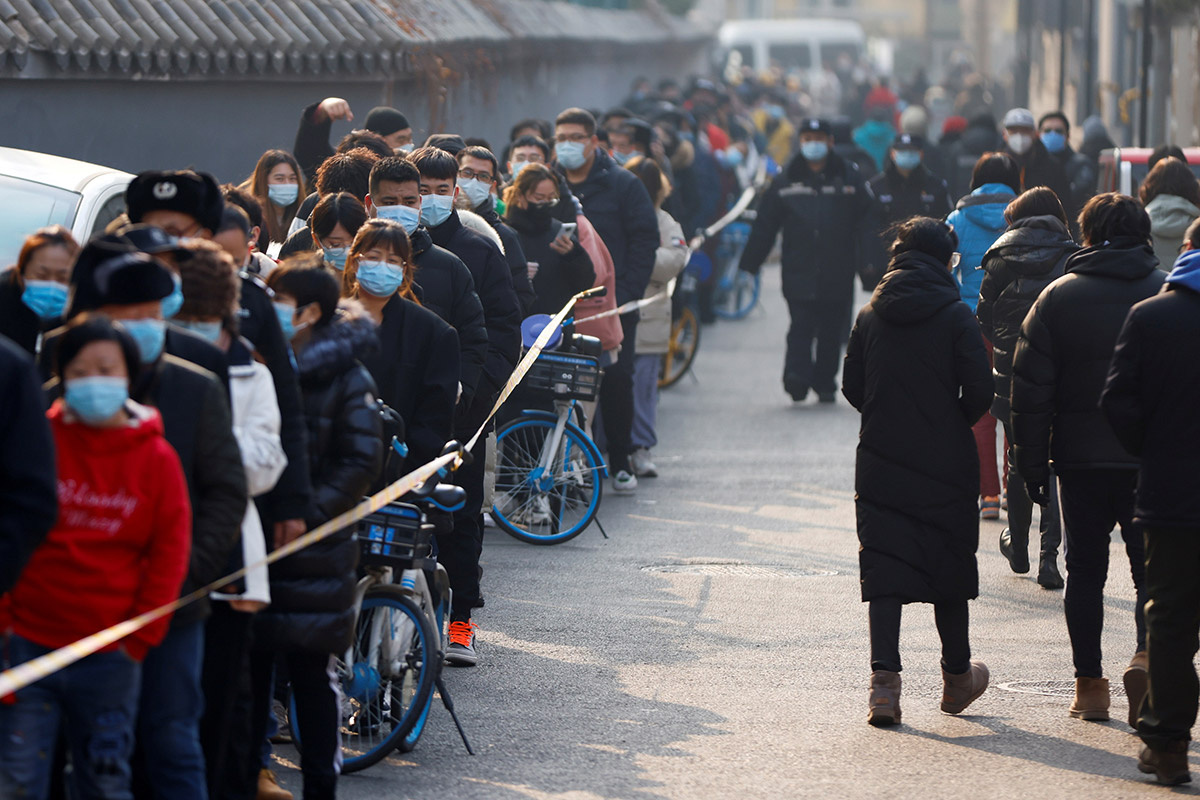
(541, 213)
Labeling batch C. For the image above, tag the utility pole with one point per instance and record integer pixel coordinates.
(1064, 32)
(1089, 59)
(1144, 96)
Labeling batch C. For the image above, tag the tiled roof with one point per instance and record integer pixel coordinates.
(295, 37)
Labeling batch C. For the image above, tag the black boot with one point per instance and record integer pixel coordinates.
(1016, 550)
(1048, 575)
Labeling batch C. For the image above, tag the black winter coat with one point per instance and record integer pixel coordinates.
(559, 277)
(28, 485)
(1150, 401)
(826, 219)
(917, 369)
(1063, 355)
(1081, 173)
(897, 198)
(312, 591)
(1026, 258)
(312, 142)
(518, 263)
(18, 321)
(1039, 168)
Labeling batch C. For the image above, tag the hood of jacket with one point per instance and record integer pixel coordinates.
(1031, 246)
(1170, 215)
(473, 221)
(333, 348)
(1186, 271)
(1125, 259)
(985, 206)
(914, 288)
(144, 423)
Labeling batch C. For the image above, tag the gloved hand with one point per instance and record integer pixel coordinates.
(1039, 491)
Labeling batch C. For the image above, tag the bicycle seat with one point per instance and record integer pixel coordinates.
(444, 496)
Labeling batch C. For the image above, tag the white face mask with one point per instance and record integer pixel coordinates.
(1020, 143)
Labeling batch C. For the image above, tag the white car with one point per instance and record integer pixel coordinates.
(37, 189)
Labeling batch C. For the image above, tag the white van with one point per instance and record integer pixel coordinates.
(794, 45)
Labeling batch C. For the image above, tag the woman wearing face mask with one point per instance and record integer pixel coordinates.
(33, 294)
(120, 548)
(563, 267)
(332, 226)
(278, 185)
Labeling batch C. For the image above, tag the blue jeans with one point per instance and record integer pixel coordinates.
(169, 721)
(96, 698)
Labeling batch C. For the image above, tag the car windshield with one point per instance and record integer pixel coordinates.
(26, 206)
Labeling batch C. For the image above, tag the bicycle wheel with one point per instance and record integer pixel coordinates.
(737, 294)
(538, 505)
(681, 349)
(389, 687)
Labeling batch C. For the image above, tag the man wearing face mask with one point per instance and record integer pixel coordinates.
(312, 138)
(1038, 167)
(1055, 132)
(824, 209)
(906, 188)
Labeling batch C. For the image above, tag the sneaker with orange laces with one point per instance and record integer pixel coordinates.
(461, 652)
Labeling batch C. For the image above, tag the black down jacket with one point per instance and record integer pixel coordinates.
(917, 369)
(1063, 355)
(559, 277)
(312, 591)
(896, 198)
(518, 263)
(1024, 260)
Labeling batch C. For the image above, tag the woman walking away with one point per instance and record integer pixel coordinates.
(1171, 195)
(917, 369)
(978, 221)
(1030, 255)
(120, 548)
(278, 185)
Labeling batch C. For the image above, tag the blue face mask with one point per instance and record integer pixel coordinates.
(47, 299)
(435, 209)
(336, 257)
(209, 330)
(476, 191)
(379, 277)
(97, 398)
(174, 301)
(286, 316)
(283, 194)
(410, 218)
(814, 151)
(622, 158)
(1054, 141)
(150, 335)
(733, 157)
(907, 159)
(517, 166)
(570, 154)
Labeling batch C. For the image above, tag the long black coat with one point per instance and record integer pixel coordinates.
(312, 591)
(917, 369)
(1063, 356)
(1150, 400)
(1026, 259)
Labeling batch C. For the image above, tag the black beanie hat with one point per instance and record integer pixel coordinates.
(193, 193)
(109, 270)
(452, 143)
(385, 121)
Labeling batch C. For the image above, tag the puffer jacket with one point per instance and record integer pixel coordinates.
(1023, 261)
(654, 325)
(1170, 216)
(312, 591)
(1063, 355)
(978, 219)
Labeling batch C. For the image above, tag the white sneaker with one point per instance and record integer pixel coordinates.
(624, 483)
(643, 467)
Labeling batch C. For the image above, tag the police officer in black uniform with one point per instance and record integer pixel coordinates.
(823, 206)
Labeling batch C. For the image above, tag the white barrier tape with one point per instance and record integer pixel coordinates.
(632, 305)
(30, 672)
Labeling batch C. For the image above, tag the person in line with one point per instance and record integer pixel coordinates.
(525, 151)
(33, 293)
(978, 220)
(654, 323)
(343, 172)
(823, 207)
(917, 370)
(278, 185)
(331, 228)
(258, 262)
(1054, 130)
(1149, 399)
(1061, 362)
(312, 137)
(1037, 166)
(1171, 195)
(118, 549)
(619, 208)
(1027, 258)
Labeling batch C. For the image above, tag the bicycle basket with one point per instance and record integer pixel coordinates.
(395, 536)
(565, 375)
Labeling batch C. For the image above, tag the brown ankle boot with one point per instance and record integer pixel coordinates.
(1168, 765)
(1137, 681)
(959, 691)
(1091, 699)
(885, 698)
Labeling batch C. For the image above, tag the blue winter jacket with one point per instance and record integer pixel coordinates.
(876, 137)
(978, 219)
(1187, 270)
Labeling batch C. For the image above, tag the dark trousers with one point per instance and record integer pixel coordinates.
(1094, 501)
(1172, 628)
(169, 764)
(825, 323)
(459, 551)
(1020, 507)
(616, 400)
(225, 726)
(952, 621)
(317, 721)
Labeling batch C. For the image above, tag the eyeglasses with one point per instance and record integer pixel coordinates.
(955, 259)
(572, 137)
(469, 174)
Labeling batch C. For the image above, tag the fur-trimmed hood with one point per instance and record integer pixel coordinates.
(333, 348)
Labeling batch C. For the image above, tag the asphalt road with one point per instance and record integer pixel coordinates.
(715, 646)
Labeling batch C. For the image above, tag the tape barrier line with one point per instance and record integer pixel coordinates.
(30, 672)
(632, 305)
